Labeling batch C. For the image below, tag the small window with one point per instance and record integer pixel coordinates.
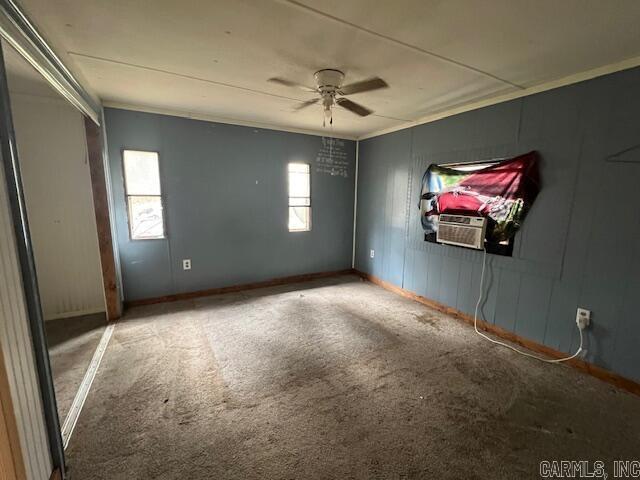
(144, 200)
(299, 197)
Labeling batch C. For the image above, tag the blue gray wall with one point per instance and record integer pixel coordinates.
(225, 194)
(580, 244)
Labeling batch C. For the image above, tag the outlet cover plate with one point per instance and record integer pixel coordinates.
(583, 316)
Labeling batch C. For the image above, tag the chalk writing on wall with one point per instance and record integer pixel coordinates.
(332, 158)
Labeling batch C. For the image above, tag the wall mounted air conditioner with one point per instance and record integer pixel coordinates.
(462, 230)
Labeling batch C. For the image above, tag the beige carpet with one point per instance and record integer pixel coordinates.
(72, 343)
(333, 379)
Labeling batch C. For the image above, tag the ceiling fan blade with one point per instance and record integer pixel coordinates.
(354, 107)
(374, 83)
(289, 83)
(306, 104)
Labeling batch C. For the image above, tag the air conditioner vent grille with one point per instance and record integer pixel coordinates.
(461, 230)
(467, 236)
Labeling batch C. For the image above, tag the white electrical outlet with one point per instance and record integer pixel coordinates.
(372, 253)
(583, 318)
(186, 264)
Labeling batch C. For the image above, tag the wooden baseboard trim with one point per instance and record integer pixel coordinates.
(238, 288)
(598, 372)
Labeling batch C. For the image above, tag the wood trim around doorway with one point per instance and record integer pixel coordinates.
(103, 223)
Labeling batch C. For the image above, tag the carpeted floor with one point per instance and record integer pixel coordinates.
(333, 379)
(72, 342)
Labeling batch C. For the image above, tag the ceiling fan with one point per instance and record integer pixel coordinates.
(332, 92)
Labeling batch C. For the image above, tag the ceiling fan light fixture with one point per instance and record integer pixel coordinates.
(328, 115)
(331, 91)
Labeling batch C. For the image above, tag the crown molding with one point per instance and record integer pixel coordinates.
(505, 97)
(212, 118)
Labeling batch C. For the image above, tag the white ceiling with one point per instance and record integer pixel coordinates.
(211, 58)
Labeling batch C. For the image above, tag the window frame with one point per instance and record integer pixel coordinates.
(289, 197)
(127, 195)
(502, 248)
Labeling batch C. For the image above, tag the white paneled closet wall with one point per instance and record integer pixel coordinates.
(52, 152)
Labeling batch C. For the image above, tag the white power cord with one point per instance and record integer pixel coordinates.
(475, 326)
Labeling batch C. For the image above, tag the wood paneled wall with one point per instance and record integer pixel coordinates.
(578, 245)
(17, 353)
(11, 464)
(52, 149)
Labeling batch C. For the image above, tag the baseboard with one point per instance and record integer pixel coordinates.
(74, 313)
(598, 372)
(238, 288)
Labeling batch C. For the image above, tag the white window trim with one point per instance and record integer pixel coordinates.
(127, 196)
(289, 197)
